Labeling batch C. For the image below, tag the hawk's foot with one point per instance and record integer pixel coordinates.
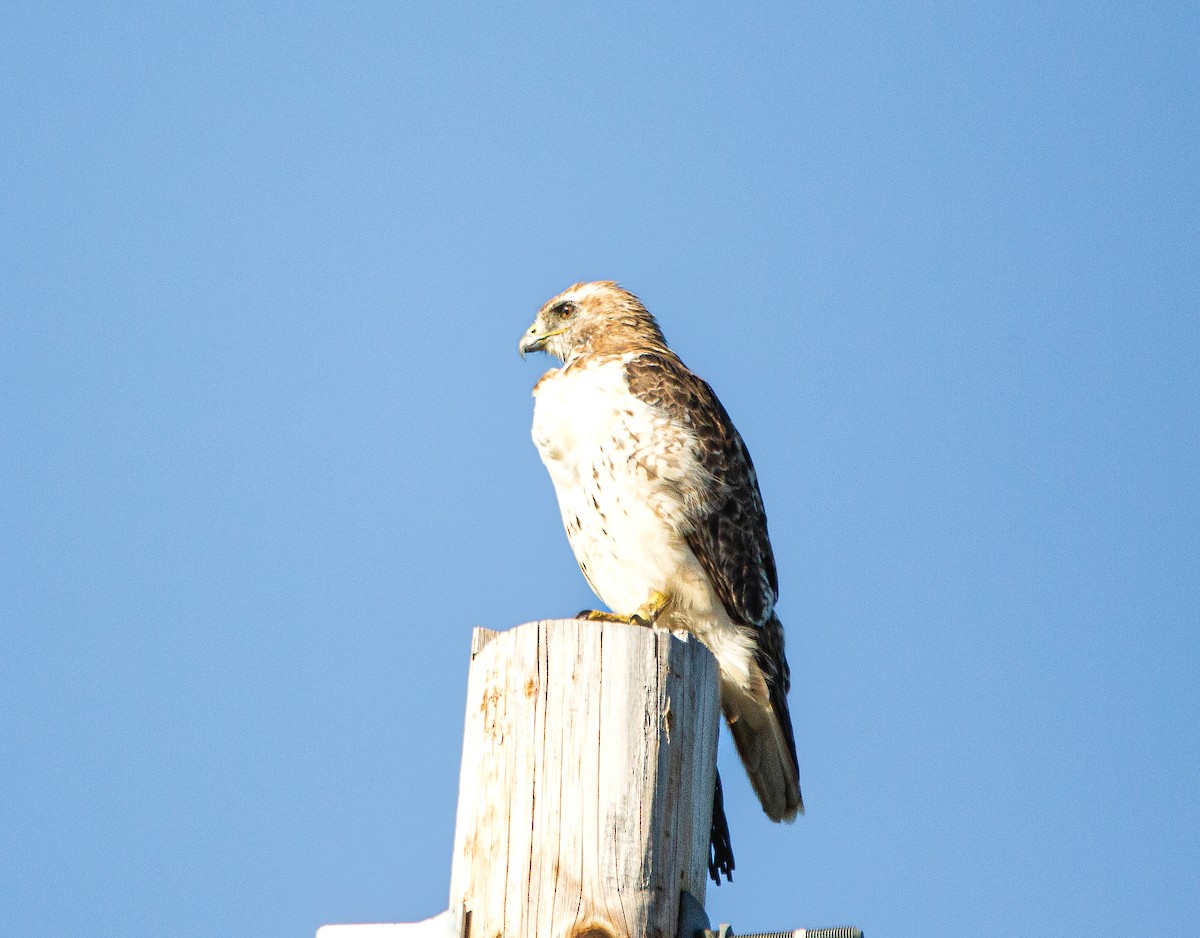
(649, 611)
(646, 616)
(597, 615)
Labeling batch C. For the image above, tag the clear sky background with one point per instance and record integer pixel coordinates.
(264, 452)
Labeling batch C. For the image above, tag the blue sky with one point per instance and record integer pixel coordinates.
(265, 457)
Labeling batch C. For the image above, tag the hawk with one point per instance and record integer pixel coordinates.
(663, 511)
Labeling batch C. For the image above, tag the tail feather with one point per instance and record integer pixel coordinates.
(761, 725)
(765, 745)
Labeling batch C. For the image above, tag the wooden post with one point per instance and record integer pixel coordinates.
(586, 790)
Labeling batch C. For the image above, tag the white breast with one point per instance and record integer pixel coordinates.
(592, 435)
(622, 474)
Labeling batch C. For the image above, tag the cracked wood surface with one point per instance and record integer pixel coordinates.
(586, 791)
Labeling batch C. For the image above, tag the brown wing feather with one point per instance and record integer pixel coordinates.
(728, 524)
(728, 531)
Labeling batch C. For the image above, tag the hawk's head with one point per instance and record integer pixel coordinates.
(592, 317)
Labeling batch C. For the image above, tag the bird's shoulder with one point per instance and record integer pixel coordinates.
(662, 381)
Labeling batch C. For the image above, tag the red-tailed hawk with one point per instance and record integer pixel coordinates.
(663, 511)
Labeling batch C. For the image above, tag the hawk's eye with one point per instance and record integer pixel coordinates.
(565, 310)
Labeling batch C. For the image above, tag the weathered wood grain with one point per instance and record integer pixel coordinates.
(586, 789)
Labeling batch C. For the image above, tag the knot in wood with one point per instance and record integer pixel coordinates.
(593, 929)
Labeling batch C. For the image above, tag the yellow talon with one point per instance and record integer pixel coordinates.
(649, 611)
(647, 614)
(597, 615)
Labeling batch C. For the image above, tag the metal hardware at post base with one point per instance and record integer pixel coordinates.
(844, 931)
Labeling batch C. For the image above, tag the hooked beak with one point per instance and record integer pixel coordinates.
(532, 342)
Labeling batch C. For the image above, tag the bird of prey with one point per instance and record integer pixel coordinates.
(663, 511)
